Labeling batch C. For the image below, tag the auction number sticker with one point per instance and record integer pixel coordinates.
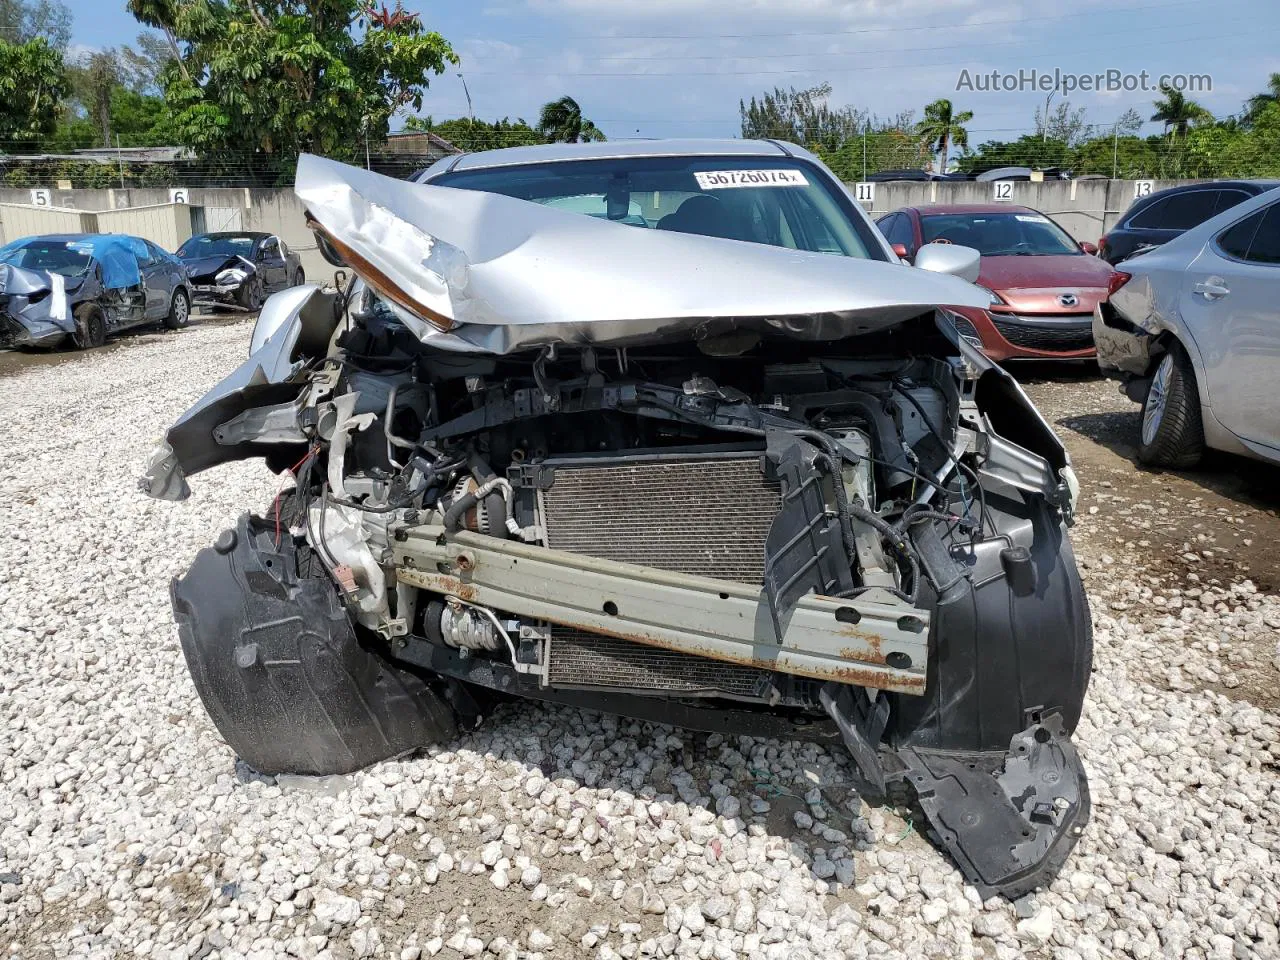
(724, 179)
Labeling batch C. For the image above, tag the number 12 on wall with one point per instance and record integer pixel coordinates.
(1002, 190)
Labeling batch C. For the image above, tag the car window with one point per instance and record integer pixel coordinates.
(1025, 234)
(771, 200)
(56, 256)
(1265, 247)
(207, 245)
(1149, 218)
(885, 224)
(1183, 211)
(157, 255)
(1228, 199)
(270, 246)
(902, 233)
(1235, 240)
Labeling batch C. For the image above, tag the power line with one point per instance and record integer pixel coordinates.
(727, 55)
(632, 75)
(773, 35)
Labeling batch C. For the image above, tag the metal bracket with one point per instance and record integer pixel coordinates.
(827, 638)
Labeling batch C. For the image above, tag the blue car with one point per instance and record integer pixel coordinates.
(81, 288)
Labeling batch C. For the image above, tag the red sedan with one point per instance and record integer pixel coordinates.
(1044, 286)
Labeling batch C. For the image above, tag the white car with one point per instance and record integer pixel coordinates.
(1193, 328)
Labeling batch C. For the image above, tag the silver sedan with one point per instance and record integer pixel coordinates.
(1193, 328)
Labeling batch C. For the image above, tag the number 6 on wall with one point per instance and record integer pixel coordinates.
(1002, 190)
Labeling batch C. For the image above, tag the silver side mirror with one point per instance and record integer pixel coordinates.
(962, 262)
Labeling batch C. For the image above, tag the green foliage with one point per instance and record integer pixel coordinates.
(942, 128)
(22, 21)
(561, 121)
(283, 77)
(33, 83)
(1177, 113)
(1029, 150)
(472, 135)
(894, 146)
(801, 116)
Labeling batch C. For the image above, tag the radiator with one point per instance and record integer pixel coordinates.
(579, 659)
(706, 516)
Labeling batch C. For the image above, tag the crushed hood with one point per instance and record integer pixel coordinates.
(481, 272)
(212, 266)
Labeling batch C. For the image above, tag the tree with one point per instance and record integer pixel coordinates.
(24, 20)
(942, 127)
(93, 84)
(144, 64)
(561, 121)
(1029, 150)
(1258, 103)
(33, 82)
(1063, 124)
(801, 116)
(276, 79)
(472, 135)
(1177, 112)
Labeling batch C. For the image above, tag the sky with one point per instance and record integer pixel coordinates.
(663, 68)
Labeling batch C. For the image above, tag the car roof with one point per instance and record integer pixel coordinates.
(1257, 186)
(219, 234)
(931, 209)
(70, 237)
(621, 149)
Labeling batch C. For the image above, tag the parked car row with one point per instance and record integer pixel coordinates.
(78, 289)
(1189, 322)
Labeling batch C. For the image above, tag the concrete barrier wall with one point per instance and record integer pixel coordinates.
(1086, 208)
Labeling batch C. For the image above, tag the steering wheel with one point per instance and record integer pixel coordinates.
(940, 240)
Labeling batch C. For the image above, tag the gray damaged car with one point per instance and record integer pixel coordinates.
(81, 288)
(664, 430)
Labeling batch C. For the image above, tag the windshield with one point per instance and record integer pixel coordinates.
(771, 200)
(216, 247)
(1000, 234)
(56, 256)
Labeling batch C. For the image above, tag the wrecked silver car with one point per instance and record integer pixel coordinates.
(80, 288)
(707, 455)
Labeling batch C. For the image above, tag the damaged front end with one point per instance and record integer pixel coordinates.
(229, 282)
(35, 307)
(837, 522)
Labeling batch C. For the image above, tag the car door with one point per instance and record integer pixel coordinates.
(903, 232)
(1230, 305)
(161, 278)
(154, 284)
(271, 265)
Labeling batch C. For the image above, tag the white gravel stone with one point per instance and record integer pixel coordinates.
(124, 830)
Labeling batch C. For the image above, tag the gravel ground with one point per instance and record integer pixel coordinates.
(553, 832)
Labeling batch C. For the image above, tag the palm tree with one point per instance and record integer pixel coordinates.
(942, 127)
(561, 121)
(1256, 104)
(1177, 113)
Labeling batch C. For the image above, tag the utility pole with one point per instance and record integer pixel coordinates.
(470, 113)
(1115, 149)
(120, 160)
(865, 131)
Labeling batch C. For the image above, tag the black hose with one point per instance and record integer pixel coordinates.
(453, 516)
(900, 543)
